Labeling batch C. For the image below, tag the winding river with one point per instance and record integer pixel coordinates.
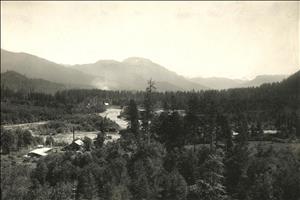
(112, 114)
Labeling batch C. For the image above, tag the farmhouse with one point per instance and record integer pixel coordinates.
(76, 145)
(40, 152)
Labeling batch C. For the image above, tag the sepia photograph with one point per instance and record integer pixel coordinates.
(150, 100)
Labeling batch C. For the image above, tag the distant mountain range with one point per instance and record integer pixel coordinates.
(35, 67)
(130, 74)
(261, 79)
(218, 82)
(225, 83)
(133, 73)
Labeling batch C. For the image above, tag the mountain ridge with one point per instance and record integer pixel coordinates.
(226, 83)
(136, 72)
(126, 75)
(131, 73)
(35, 67)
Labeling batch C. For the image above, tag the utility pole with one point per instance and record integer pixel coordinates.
(74, 190)
(73, 133)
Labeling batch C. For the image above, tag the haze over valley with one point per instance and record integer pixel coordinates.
(130, 74)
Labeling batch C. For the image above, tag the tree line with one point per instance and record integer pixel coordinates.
(273, 105)
(167, 156)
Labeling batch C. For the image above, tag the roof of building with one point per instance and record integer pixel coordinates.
(40, 151)
(234, 133)
(79, 142)
(270, 131)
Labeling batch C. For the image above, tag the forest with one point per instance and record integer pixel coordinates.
(165, 156)
(275, 103)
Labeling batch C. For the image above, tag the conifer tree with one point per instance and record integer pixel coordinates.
(236, 161)
(133, 116)
(148, 104)
(211, 186)
(192, 120)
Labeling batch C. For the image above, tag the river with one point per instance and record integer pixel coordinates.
(112, 114)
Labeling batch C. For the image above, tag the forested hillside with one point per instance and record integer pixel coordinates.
(184, 157)
(18, 82)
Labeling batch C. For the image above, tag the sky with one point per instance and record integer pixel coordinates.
(208, 39)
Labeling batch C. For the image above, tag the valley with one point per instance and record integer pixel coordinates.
(150, 100)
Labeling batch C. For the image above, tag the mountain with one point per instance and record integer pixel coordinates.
(133, 73)
(16, 81)
(35, 67)
(218, 82)
(291, 86)
(226, 83)
(261, 79)
(130, 74)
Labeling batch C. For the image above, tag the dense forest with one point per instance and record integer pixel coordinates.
(165, 156)
(272, 105)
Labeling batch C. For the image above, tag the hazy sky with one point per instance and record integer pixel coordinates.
(230, 39)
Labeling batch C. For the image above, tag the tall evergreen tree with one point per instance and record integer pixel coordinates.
(99, 141)
(211, 185)
(192, 120)
(175, 188)
(133, 116)
(86, 188)
(8, 141)
(236, 162)
(226, 132)
(148, 104)
(242, 129)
